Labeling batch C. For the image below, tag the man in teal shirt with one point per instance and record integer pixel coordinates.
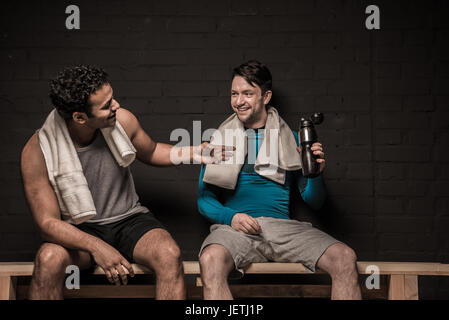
(251, 220)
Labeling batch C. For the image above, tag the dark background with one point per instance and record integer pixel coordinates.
(384, 94)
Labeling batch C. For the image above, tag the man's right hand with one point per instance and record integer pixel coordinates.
(245, 223)
(112, 262)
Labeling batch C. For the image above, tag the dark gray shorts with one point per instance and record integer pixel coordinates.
(281, 240)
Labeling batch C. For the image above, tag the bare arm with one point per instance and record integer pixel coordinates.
(44, 207)
(160, 154)
(43, 203)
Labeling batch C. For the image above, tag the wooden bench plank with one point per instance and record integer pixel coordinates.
(192, 267)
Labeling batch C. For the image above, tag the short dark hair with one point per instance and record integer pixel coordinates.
(70, 90)
(254, 72)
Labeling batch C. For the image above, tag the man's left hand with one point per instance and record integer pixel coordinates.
(317, 149)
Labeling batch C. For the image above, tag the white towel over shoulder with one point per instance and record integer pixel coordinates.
(64, 167)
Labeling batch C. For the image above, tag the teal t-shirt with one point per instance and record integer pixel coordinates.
(256, 195)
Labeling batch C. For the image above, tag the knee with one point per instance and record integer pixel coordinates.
(168, 258)
(345, 261)
(213, 262)
(51, 260)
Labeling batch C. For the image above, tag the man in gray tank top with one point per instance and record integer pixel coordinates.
(123, 231)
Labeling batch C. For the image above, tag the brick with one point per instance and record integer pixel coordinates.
(335, 170)
(404, 225)
(397, 242)
(358, 137)
(188, 89)
(387, 38)
(302, 39)
(442, 207)
(421, 206)
(177, 106)
(353, 154)
(418, 103)
(292, 72)
(441, 188)
(326, 71)
(349, 86)
(390, 171)
(401, 153)
(196, 24)
(360, 171)
(388, 137)
(339, 121)
(353, 205)
(137, 88)
(244, 7)
(387, 103)
(247, 23)
(387, 86)
(387, 70)
(418, 137)
(395, 120)
(396, 54)
(389, 206)
(202, 7)
(340, 188)
(301, 23)
(400, 188)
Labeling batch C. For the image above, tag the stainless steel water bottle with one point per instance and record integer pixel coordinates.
(307, 137)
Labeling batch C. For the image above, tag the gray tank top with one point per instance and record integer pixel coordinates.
(111, 185)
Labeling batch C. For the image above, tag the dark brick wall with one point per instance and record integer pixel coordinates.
(384, 94)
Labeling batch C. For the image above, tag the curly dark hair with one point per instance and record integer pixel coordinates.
(254, 72)
(70, 90)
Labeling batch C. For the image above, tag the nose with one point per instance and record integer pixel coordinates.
(115, 105)
(240, 100)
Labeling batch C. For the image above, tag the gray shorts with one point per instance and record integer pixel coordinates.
(281, 240)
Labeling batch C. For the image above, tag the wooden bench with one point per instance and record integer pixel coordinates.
(400, 281)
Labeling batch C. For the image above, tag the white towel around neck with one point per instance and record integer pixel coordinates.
(64, 167)
(232, 132)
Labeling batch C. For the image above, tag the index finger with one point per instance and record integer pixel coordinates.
(121, 272)
(128, 266)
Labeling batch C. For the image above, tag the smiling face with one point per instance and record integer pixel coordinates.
(249, 103)
(103, 109)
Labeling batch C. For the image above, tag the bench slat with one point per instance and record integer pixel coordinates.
(192, 267)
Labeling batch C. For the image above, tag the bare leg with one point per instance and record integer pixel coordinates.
(158, 251)
(340, 262)
(216, 263)
(49, 270)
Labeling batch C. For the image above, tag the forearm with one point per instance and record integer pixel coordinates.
(208, 204)
(168, 155)
(214, 211)
(313, 191)
(63, 233)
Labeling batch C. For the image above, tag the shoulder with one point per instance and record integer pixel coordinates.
(31, 148)
(32, 160)
(128, 121)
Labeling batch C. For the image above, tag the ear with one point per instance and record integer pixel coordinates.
(267, 97)
(79, 117)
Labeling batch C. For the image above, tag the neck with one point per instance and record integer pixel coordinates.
(81, 135)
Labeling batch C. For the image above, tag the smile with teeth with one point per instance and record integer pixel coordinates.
(241, 109)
